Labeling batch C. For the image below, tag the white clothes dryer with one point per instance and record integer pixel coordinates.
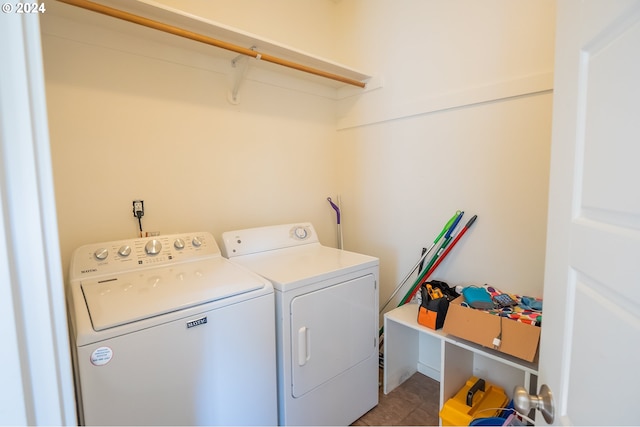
(326, 321)
(166, 331)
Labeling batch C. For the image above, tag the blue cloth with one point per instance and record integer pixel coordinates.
(531, 303)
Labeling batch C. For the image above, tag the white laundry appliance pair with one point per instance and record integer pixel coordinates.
(326, 303)
(166, 331)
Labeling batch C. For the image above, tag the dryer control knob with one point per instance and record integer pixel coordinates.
(178, 244)
(101, 254)
(153, 247)
(124, 250)
(301, 233)
(196, 242)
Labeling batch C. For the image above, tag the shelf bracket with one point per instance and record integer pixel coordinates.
(240, 64)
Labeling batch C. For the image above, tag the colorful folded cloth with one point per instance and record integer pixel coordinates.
(528, 310)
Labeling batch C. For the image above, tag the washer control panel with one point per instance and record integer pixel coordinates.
(128, 255)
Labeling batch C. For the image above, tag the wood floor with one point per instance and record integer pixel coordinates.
(414, 403)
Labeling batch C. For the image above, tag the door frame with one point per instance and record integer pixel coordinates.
(36, 363)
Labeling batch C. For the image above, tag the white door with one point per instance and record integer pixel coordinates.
(591, 334)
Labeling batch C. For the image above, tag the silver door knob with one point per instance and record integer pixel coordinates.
(543, 402)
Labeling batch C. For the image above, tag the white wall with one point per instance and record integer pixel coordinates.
(135, 119)
(403, 180)
(462, 122)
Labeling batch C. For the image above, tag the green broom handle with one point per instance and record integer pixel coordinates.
(447, 237)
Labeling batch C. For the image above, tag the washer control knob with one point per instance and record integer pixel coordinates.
(178, 244)
(101, 254)
(153, 247)
(197, 242)
(124, 251)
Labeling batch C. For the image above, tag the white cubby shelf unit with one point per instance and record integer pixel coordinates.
(410, 347)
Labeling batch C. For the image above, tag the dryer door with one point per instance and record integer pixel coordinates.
(332, 329)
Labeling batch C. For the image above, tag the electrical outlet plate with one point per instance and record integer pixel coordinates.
(138, 206)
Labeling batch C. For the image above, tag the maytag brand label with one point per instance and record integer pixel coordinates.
(197, 322)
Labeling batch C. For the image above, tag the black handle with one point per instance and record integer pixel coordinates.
(471, 221)
(479, 385)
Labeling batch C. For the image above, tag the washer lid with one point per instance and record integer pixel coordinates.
(136, 296)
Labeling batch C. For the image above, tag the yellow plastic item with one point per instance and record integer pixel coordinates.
(477, 399)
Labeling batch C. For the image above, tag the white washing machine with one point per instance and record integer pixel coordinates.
(168, 332)
(326, 321)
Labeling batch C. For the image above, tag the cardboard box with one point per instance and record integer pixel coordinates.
(518, 339)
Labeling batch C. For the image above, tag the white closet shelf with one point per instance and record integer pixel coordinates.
(183, 24)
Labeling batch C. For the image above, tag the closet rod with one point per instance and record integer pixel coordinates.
(120, 14)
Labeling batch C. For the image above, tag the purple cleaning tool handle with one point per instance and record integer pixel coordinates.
(336, 208)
